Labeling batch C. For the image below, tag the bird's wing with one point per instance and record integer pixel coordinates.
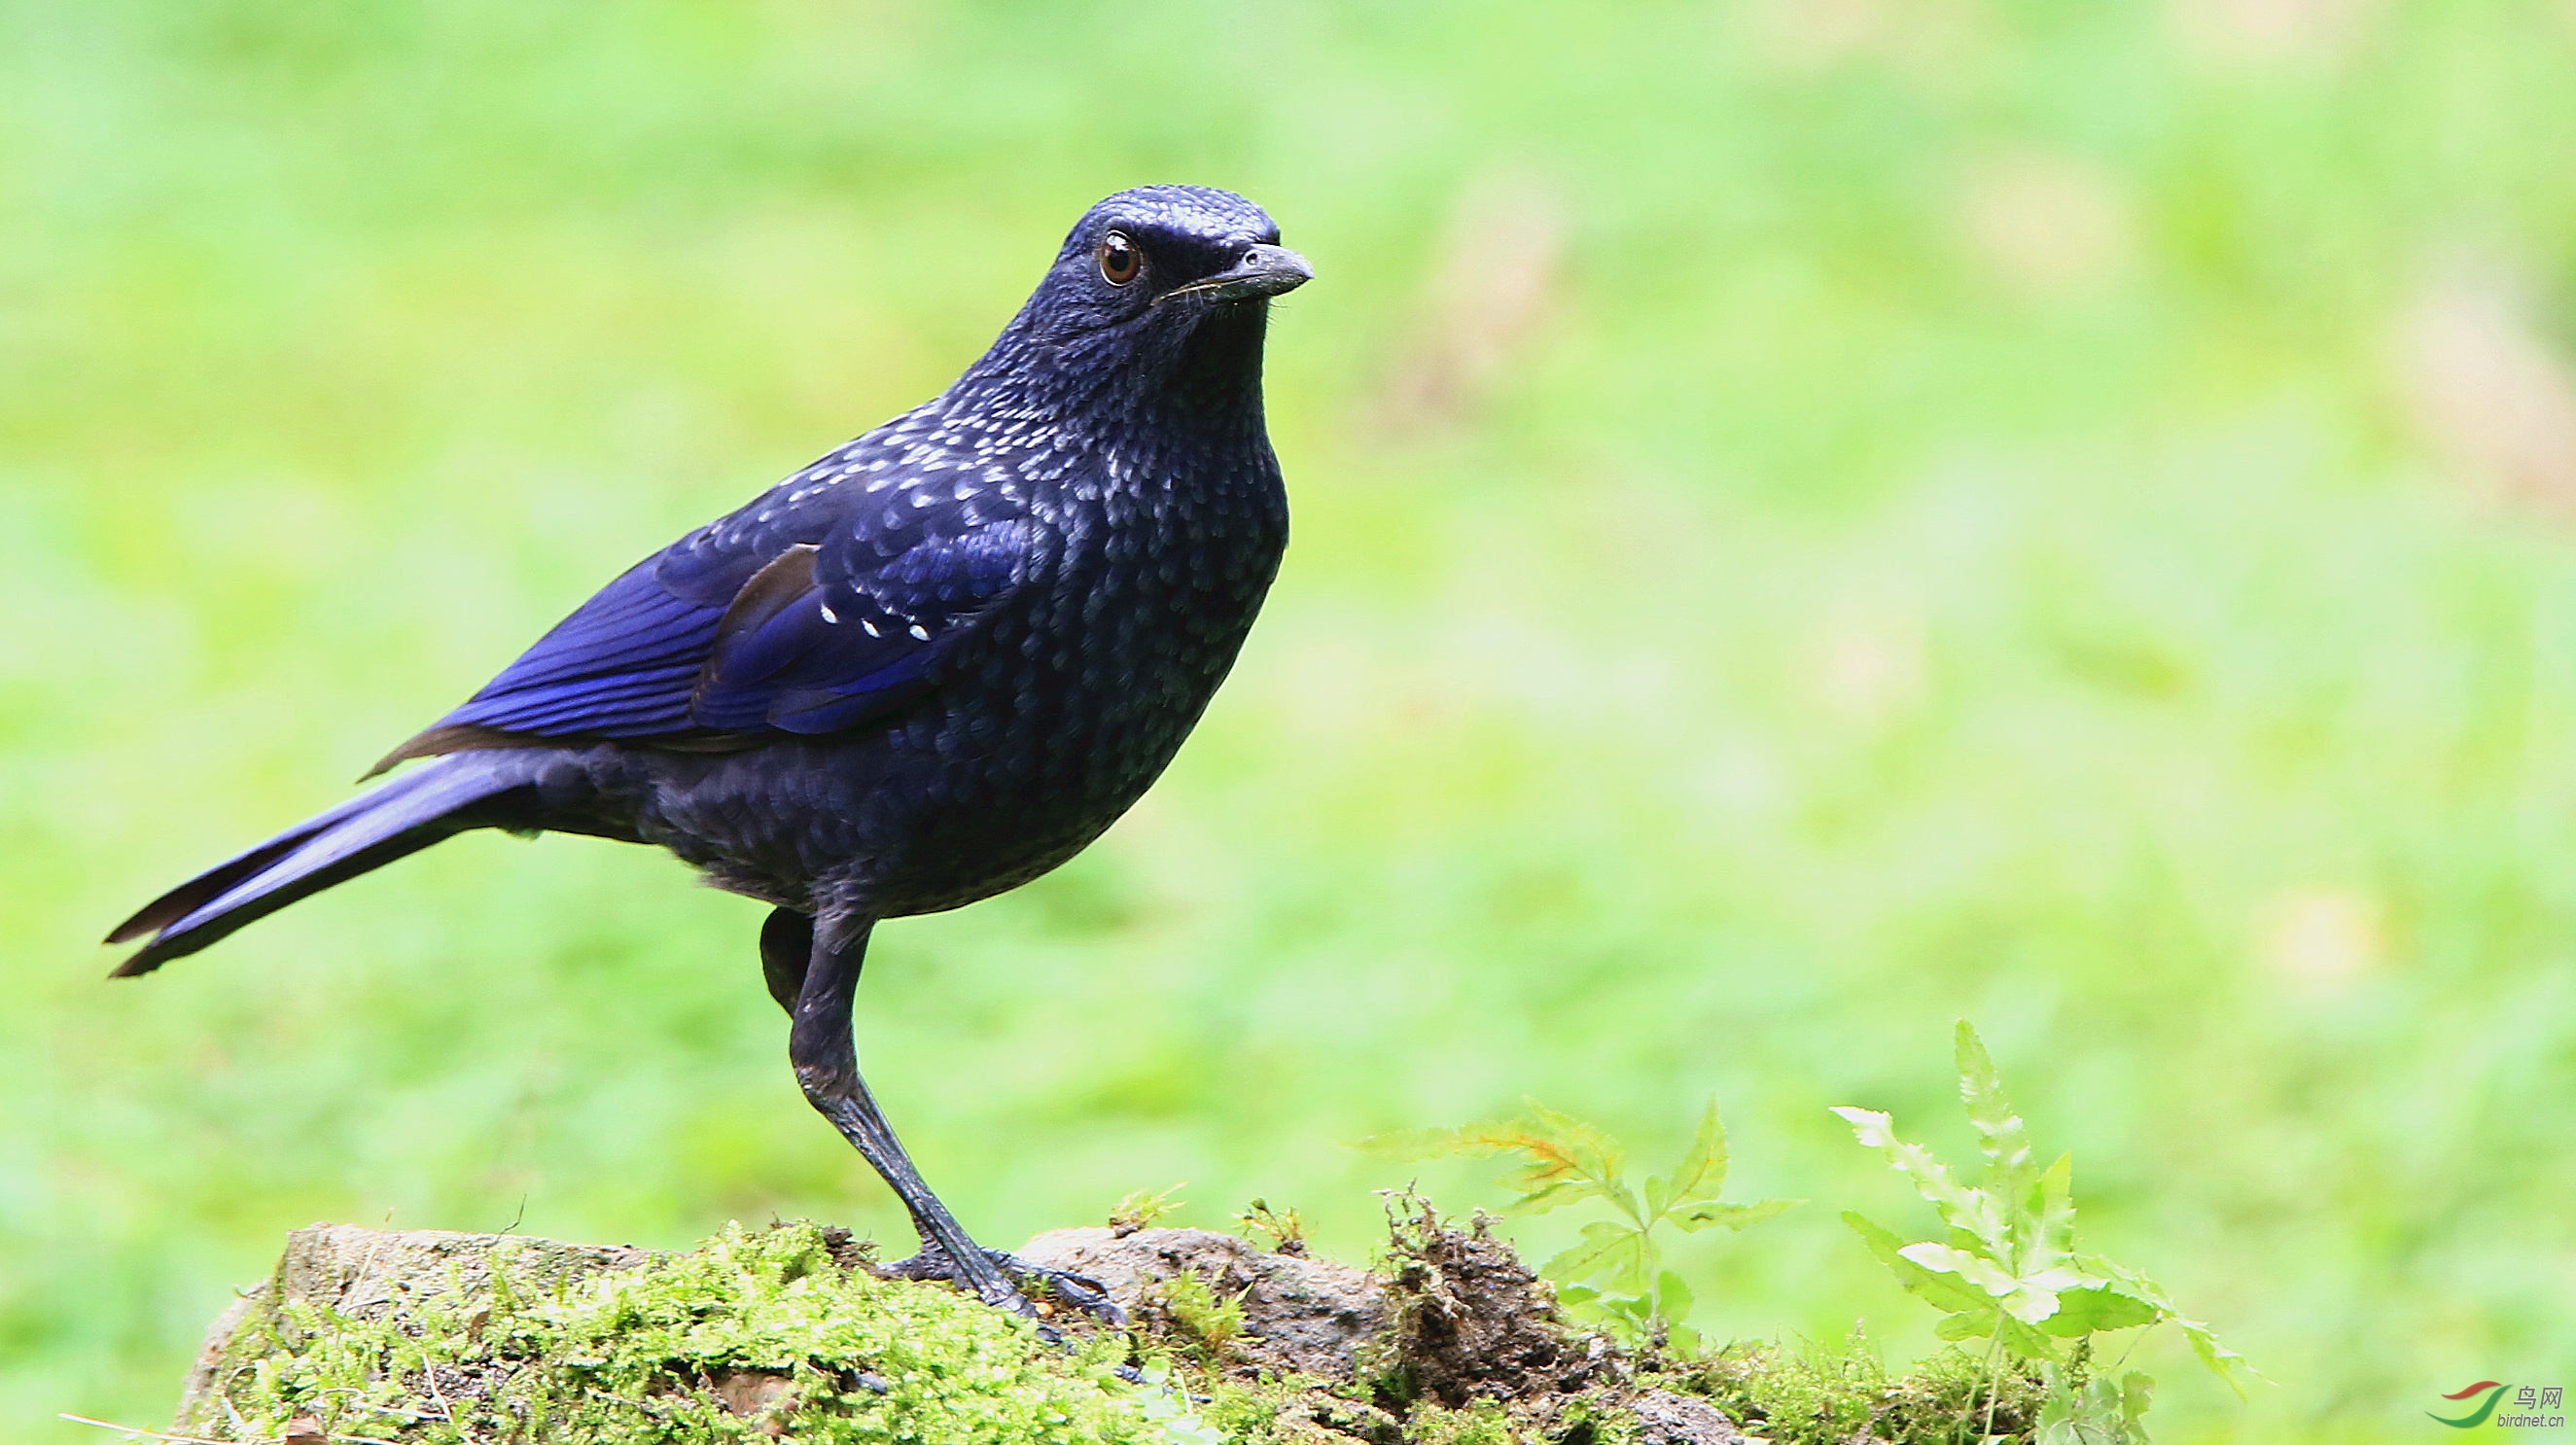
(816, 608)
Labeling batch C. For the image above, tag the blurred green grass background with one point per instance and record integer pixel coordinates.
(1815, 518)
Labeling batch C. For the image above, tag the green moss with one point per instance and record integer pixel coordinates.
(756, 1333)
(1285, 1411)
(1482, 1423)
(1824, 1395)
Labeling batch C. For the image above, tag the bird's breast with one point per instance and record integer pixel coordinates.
(1158, 585)
(1087, 679)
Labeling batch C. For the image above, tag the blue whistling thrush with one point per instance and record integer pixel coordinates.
(925, 669)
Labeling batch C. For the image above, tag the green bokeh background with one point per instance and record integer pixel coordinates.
(1815, 518)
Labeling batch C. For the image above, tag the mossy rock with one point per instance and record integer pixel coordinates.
(789, 1333)
(758, 1334)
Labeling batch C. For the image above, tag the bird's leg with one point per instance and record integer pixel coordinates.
(819, 1043)
(827, 1065)
(786, 951)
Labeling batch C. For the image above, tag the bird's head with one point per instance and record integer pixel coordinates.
(1156, 279)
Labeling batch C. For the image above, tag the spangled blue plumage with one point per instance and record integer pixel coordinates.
(926, 668)
(908, 547)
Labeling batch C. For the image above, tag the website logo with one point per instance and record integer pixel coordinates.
(2534, 1406)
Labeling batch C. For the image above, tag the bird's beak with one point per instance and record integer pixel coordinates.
(1263, 271)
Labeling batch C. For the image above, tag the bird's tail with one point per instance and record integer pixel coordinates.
(368, 831)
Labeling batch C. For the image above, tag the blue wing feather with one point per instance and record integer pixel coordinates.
(621, 666)
(844, 648)
(684, 644)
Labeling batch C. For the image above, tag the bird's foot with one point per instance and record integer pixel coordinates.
(1078, 1291)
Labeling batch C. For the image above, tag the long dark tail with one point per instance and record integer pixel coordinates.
(368, 831)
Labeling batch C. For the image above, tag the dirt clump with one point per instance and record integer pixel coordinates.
(1469, 1320)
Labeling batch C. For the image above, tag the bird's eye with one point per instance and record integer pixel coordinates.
(1120, 259)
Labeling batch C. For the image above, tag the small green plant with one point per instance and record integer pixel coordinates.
(1212, 1323)
(1287, 1232)
(2009, 1273)
(1139, 1209)
(1615, 1271)
(1169, 1407)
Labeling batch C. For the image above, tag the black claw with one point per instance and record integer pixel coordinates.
(1079, 1291)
